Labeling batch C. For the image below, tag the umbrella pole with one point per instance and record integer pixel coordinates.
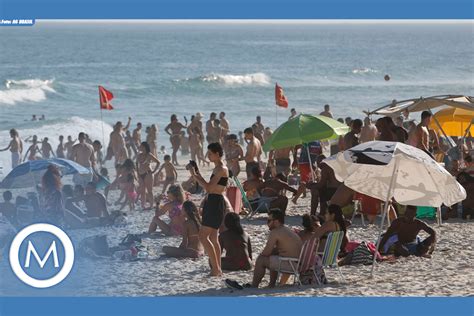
(440, 128)
(385, 213)
(310, 163)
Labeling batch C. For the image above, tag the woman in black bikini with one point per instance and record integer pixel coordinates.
(214, 206)
(145, 173)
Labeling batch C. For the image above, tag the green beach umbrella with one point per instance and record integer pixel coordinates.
(304, 129)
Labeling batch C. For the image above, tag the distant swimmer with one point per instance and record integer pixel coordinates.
(61, 149)
(42, 118)
(327, 111)
(15, 146)
(33, 117)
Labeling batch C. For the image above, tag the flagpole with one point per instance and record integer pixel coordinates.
(101, 121)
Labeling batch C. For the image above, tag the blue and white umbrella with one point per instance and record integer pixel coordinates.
(29, 173)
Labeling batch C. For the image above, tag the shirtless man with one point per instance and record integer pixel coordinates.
(325, 188)
(137, 135)
(280, 159)
(68, 146)
(33, 150)
(327, 111)
(282, 242)
(83, 154)
(47, 149)
(351, 139)
(224, 124)
(292, 114)
(422, 132)
(95, 202)
(401, 237)
(117, 142)
(368, 132)
(258, 129)
(275, 188)
(15, 146)
(254, 152)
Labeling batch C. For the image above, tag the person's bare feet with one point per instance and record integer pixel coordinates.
(216, 273)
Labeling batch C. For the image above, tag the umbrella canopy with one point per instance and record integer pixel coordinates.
(454, 121)
(390, 169)
(304, 129)
(422, 104)
(29, 173)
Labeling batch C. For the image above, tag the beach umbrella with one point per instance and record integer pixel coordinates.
(386, 170)
(454, 121)
(303, 129)
(29, 173)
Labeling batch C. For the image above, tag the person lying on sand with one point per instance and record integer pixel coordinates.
(191, 246)
(402, 238)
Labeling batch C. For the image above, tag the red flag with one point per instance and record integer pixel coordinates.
(280, 98)
(104, 98)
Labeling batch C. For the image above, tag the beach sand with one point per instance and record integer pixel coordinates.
(448, 273)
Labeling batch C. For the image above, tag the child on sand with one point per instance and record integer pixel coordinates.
(170, 173)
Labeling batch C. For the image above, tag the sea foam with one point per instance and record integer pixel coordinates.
(71, 126)
(258, 78)
(28, 90)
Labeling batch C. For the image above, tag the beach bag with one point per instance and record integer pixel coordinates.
(362, 255)
(94, 246)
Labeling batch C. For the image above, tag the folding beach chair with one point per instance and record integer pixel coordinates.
(305, 262)
(331, 250)
(248, 204)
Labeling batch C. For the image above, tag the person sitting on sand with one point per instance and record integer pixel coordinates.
(7, 208)
(95, 202)
(282, 242)
(310, 224)
(191, 246)
(467, 182)
(170, 172)
(173, 206)
(236, 244)
(402, 238)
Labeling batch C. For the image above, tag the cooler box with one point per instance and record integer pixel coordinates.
(235, 197)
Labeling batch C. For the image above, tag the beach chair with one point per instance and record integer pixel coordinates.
(305, 262)
(248, 204)
(331, 250)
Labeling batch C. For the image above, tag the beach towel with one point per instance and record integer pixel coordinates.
(425, 212)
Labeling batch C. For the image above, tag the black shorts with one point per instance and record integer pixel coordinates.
(213, 211)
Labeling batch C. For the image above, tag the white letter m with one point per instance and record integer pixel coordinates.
(52, 249)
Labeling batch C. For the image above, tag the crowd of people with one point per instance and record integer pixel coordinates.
(211, 227)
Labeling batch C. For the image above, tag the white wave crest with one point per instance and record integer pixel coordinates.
(29, 90)
(228, 79)
(71, 126)
(363, 70)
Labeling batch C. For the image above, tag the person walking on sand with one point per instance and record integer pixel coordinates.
(171, 175)
(233, 154)
(210, 132)
(327, 111)
(214, 205)
(254, 151)
(15, 146)
(175, 136)
(145, 173)
(151, 135)
(47, 149)
(83, 154)
(368, 132)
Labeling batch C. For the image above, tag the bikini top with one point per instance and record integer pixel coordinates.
(176, 210)
(222, 181)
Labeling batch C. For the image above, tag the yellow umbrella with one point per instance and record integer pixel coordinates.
(454, 121)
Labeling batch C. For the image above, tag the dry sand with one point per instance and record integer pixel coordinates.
(448, 273)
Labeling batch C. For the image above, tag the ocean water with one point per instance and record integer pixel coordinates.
(155, 70)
